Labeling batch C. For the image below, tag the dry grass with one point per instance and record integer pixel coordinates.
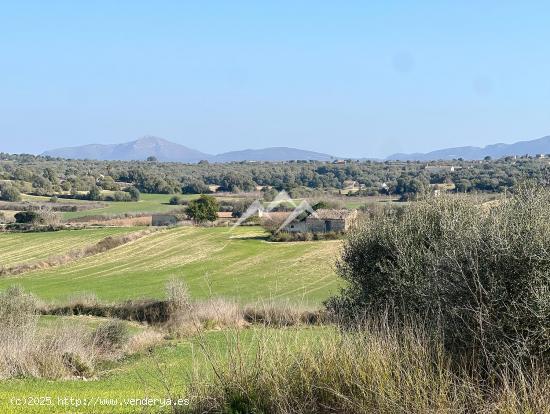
(146, 339)
(377, 370)
(282, 314)
(27, 351)
(188, 316)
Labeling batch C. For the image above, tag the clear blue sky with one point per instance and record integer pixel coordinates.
(349, 78)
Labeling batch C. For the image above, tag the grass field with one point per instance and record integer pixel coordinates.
(149, 203)
(237, 264)
(16, 248)
(164, 372)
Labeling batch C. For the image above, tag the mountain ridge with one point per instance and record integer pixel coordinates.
(526, 147)
(168, 151)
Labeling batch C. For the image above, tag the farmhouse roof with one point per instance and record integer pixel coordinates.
(334, 214)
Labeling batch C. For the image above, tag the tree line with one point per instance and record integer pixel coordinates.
(48, 176)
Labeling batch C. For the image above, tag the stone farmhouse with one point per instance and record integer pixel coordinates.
(324, 221)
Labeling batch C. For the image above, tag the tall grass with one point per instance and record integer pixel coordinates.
(60, 351)
(375, 370)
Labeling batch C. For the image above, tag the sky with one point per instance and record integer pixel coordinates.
(349, 78)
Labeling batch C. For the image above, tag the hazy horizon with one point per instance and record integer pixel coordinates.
(353, 79)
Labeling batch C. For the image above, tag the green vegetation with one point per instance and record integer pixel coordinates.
(375, 370)
(17, 248)
(149, 203)
(238, 264)
(482, 273)
(148, 374)
(203, 209)
(48, 176)
(444, 302)
(9, 193)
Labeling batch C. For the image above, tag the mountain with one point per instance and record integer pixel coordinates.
(139, 149)
(165, 150)
(272, 154)
(533, 147)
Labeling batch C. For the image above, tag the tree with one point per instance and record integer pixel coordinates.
(9, 193)
(203, 209)
(134, 193)
(152, 158)
(27, 217)
(108, 183)
(95, 193)
(195, 187)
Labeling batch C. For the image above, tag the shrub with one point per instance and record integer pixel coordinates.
(9, 193)
(76, 364)
(483, 274)
(27, 217)
(119, 196)
(94, 194)
(187, 316)
(281, 314)
(177, 295)
(111, 335)
(135, 195)
(175, 200)
(18, 310)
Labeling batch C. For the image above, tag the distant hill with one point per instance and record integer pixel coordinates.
(140, 149)
(272, 154)
(165, 150)
(533, 147)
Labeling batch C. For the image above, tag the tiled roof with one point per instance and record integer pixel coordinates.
(327, 214)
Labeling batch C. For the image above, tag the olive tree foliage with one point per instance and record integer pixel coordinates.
(203, 209)
(481, 274)
(9, 193)
(94, 194)
(135, 195)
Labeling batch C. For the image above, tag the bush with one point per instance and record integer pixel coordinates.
(9, 193)
(482, 274)
(175, 200)
(111, 335)
(18, 310)
(27, 217)
(94, 194)
(135, 195)
(119, 196)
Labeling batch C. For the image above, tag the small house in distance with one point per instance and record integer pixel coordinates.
(164, 220)
(324, 221)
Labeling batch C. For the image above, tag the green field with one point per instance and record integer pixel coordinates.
(149, 203)
(217, 261)
(16, 248)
